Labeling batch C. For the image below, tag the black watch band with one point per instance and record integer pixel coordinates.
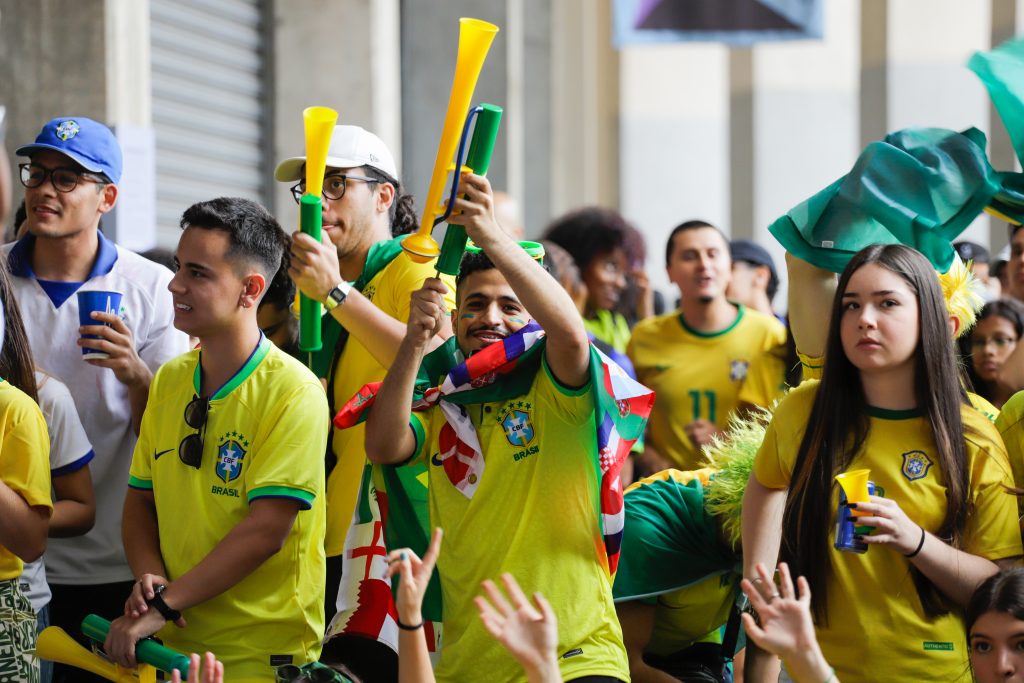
(162, 607)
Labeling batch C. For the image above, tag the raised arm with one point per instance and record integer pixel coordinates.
(811, 291)
(315, 270)
(568, 347)
(388, 437)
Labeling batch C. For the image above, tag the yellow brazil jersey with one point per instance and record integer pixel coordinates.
(265, 437)
(871, 597)
(535, 514)
(390, 291)
(766, 378)
(698, 375)
(1010, 424)
(813, 367)
(24, 459)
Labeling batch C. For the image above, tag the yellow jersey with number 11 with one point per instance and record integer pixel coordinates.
(699, 375)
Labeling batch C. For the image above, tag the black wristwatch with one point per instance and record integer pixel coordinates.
(162, 607)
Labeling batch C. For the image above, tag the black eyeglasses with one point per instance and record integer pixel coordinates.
(64, 179)
(190, 450)
(334, 186)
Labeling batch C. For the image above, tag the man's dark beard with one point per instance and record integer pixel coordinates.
(705, 299)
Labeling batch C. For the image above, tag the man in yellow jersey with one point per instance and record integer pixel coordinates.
(525, 497)
(225, 513)
(25, 508)
(698, 358)
(364, 279)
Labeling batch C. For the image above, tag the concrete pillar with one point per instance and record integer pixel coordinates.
(534, 119)
(127, 63)
(52, 62)
(585, 107)
(674, 141)
(742, 144)
(430, 34)
(1007, 22)
(84, 58)
(342, 54)
(805, 122)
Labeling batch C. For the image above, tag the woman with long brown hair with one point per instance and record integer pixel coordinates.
(890, 400)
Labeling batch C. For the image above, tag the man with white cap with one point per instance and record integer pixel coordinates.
(365, 281)
(70, 183)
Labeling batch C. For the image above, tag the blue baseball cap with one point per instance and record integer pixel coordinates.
(89, 143)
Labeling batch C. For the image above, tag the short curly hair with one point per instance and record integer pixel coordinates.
(589, 233)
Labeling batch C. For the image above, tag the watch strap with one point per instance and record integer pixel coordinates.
(161, 606)
(337, 295)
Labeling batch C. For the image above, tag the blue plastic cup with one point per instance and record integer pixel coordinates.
(94, 300)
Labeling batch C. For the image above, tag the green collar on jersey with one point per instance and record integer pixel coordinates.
(257, 355)
(740, 309)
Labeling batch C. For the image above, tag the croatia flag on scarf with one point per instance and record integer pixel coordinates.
(502, 371)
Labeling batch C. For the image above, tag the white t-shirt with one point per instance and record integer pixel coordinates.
(70, 451)
(101, 400)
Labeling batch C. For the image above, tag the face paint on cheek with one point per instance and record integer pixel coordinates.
(517, 321)
(467, 316)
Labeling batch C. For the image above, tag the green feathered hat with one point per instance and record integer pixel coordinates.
(732, 454)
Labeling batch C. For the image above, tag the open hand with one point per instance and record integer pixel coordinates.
(785, 626)
(414, 575)
(212, 670)
(528, 631)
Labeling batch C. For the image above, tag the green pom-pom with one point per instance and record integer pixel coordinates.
(733, 456)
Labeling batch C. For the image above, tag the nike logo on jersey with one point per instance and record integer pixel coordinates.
(156, 456)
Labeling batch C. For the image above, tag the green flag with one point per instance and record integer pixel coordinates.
(1002, 73)
(920, 187)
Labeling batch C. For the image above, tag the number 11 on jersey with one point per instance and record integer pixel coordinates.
(709, 399)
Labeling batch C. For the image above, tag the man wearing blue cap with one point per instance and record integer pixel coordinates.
(754, 279)
(70, 182)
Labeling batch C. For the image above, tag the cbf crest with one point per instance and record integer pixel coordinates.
(738, 370)
(67, 129)
(916, 465)
(230, 456)
(517, 423)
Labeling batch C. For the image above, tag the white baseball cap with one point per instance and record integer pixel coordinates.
(351, 146)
